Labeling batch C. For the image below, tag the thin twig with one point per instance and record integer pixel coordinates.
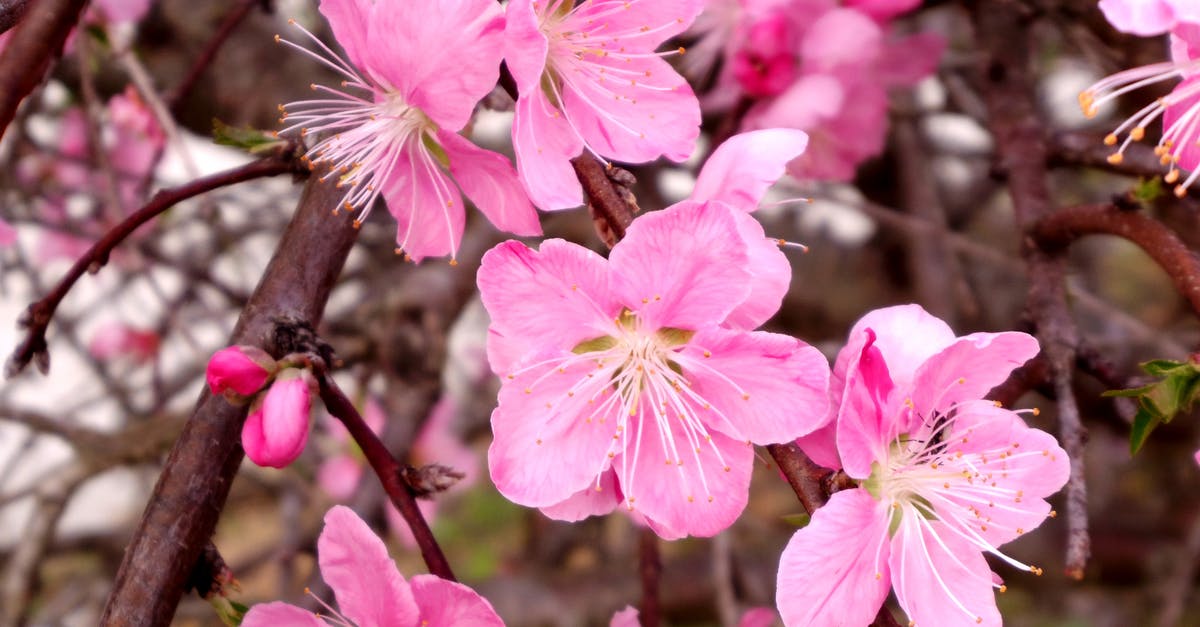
(650, 569)
(178, 96)
(389, 472)
(37, 317)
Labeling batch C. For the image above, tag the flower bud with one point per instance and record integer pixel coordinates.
(277, 429)
(239, 370)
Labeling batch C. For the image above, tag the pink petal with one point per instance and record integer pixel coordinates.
(674, 497)
(355, 563)
(525, 46)
(834, 571)
(683, 267)
(810, 101)
(426, 204)
(1145, 18)
(643, 24)
(905, 62)
(969, 368)
(280, 614)
(883, 10)
(627, 617)
(866, 424)
(770, 387)
(451, 604)
(286, 411)
(1197, 457)
(548, 445)
(759, 617)
(349, 19)
(8, 234)
(906, 335)
(821, 445)
(1186, 11)
(555, 297)
(594, 500)
(940, 578)
(338, 476)
(655, 114)
(544, 143)
(741, 169)
(841, 40)
(253, 441)
(770, 276)
(242, 370)
(1185, 45)
(402, 37)
(490, 181)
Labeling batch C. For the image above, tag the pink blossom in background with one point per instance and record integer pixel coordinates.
(1149, 17)
(371, 591)
(588, 76)
(392, 130)
(1197, 457)
(241, 370)
(612, 367)
(943, 475)
(627, 617)
(277, 427)
(8, 234)
(1177, 147)
(340, 473)
(114, 339)
(753, 617)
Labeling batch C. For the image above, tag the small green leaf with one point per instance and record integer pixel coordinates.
(1143, 423)
(1148, 190)
(1159, 402)
(250, 139)
(1163, 367)
(798, 521)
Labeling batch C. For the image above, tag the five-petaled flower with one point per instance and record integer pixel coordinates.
(589, 76)
(637, 379)
(415, 73)
(944, 477)
(371, 591)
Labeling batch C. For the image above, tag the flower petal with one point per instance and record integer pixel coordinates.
(770, 388)
(866, 424)
(402, 35)
(594, 500)
(683, 267)
(741, 169)
(906, 335)
(451, 604)
(525, 46)
(770, 276)
(940, 578)
(1184, 102)
(544, 143)
(426, 204)
(834, 571)
(627, 617)
(1144, 18)
(551, 298)
(355, 563)
(348, 19)
(549, 444)
(280, 614)
(490, 181)
(968, 369)
(693, 493)
(821, 445)
(643, 24)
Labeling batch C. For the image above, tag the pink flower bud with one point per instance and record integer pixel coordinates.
(240, 370)
(276, 430)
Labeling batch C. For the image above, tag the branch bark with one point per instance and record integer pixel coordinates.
(24, 60)
(11, 12)
(183, 510)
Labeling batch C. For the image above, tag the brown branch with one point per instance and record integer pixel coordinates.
(1062, 228)
(36, 318)
(1073, 148)
(11, 12)
(650, 569)
(239, 12)
(38, 38)
(183, 509)
(389, 472)
(806, 477)
(1002, 27)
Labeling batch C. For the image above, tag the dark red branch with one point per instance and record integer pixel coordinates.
(187, 500)
(1062, 228)
(239, 12)
(11, 12)
(37, 317)
(650, 569)
(389, 472)
(35, 41)
(804, 475)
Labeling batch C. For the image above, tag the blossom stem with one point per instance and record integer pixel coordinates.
(389, 472)
(37, 317)
(651, 571)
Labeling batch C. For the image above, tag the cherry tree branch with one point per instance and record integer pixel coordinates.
(11, 12)
(650, 569)
(389, 472)
(189, 495)
(178, 96)
(38, 315)
(38, 38)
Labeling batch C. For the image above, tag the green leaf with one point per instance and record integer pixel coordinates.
(1143, 423)
(250, 139)
(1148, 190)
(798, 521)
(1159, 402)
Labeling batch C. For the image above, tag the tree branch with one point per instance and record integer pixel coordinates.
(11, 12)
(183, 510)
(24, 60)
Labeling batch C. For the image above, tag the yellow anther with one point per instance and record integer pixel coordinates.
(1110, 139)
(1116, 158)
(1138, 133)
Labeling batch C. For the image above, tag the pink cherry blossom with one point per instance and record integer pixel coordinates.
(112, 340)
(622, 382)
(392, 130)
(370, 590)
(277, 429)
(241, 370)
(1149, 17)
(753, 617)
(8, 234)
(588, 76)
(1177, 147)
(944, 477)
